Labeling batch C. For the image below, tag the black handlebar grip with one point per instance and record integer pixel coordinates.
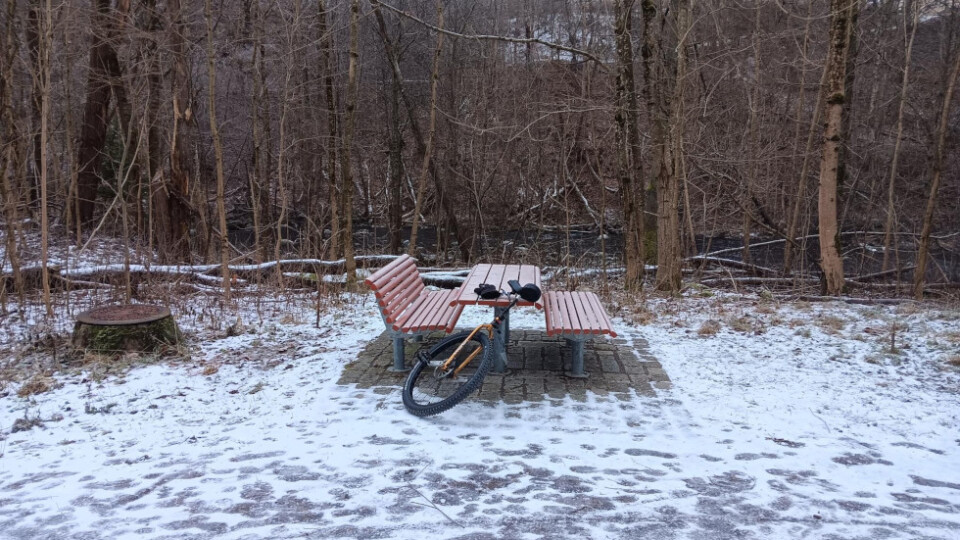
(514, 286)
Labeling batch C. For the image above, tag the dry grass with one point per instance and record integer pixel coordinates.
(38, 384)
(831, 324)
(709, 328)
(742, 324)
(766, 308)
(953, 361)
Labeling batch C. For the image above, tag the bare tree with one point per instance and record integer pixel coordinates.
(7, 139)
(218, 152)
(629, 165)
(905, 80)
(950, 84)
(346, 205)
(842, 17)
(431, 129)
(103, 74)
(46, 46)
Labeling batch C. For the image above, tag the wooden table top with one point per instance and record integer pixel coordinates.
(497, 275)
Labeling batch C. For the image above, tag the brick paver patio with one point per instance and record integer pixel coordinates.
(536, 365)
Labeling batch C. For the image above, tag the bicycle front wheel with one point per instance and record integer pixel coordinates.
(431, 390)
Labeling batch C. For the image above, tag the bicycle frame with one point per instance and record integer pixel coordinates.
(489, 327)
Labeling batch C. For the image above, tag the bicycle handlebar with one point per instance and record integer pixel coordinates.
(529, 292)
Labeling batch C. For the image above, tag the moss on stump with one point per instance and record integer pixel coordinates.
(125, 328)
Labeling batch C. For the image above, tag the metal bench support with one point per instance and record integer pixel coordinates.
(398, 364)
(576, 362)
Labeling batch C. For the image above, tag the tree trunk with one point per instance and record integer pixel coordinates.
(919, 275)
(788, 249)
(348, 136)
(753, 138)
(33, 45)
(218, 153)
(103, 73)
(8, 136)
(46, 45)
(668, 137)
(333, 128)
(174, 242)
(431, 128)
(842, 17)
(395, 184)
(629, 164)
(463, 236)
(891, 184)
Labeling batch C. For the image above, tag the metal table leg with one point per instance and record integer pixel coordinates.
(499, 343)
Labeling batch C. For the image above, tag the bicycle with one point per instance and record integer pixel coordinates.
(439, 381)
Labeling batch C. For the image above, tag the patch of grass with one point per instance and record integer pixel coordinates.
(38, 384)
(26, 423)
(953, 361)
(92, 409)
(803, 332)
(639, 314)
(909, 308)
(766, 308)
(709, 328)
(742, 324)
(831, 324)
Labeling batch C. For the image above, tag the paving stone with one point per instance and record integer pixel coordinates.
(537, 369)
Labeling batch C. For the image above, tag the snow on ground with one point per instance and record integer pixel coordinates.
(783, 421)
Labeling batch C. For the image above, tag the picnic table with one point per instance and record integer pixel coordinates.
(498, 275)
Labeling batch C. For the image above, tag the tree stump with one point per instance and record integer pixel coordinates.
(125, 328)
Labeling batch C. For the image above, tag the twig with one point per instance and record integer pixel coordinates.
(430, 504)
(524, 41)
(825, 424)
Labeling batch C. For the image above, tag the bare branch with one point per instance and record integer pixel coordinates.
(524, 41)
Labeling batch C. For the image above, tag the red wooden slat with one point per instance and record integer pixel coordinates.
(576, 309)
(510, 271)
(440, 310)
(570, 321)
(400, 317)
(373, 279)
(591, 319)
(399, 302)
(596, 321)
(398, 286)
(494, 278)
(550, 313)
(530, 274)
(389, 282)
(608, 325)
(454, 315)
(451, 310)
(476, 276)
(546, 314)
(423, 313)
(435, 317)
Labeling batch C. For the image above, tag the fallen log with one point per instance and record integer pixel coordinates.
(733, 263)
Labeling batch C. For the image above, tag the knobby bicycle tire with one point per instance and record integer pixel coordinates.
(424, 369)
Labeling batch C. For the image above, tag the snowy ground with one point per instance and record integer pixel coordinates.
(784, 421)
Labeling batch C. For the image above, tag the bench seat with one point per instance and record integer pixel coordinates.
(428, 312)
(408, 308)
(577, 316)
